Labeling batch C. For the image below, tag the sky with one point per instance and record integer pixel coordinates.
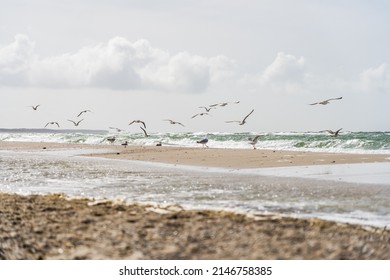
(156, 60)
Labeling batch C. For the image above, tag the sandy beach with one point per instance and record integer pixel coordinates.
(57, 227)
(212, 157)
(53, 227)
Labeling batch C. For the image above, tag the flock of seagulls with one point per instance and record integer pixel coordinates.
(76, 123)
(252, 141)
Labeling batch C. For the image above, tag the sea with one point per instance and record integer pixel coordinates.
(348, 193)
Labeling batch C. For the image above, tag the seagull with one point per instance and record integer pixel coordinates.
(174, 122)
(111, 139)
(223, 104)
(124, 144)
(117, 129)
(207, 109)
(253, 141)
(82, 112)
(200, 114)
(35, 107)
(332, 133)
(146, 134)
(244, 120)
(52, 123)
(203, 141)
(138, 121)
(325, 102)
(76, 123)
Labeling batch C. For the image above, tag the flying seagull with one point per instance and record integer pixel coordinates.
(325, 102)
(207, 108)
(200, 114)
(138, 121)
(203, 141)
(146, 134)
(174, 122)
(117, 129)
(35, 107)
(83, 112)
(253, 141)
(332, 133)
(223, 104)
(244, 120)
(76, 123)
(56, 123)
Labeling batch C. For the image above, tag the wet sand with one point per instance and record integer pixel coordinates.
(53, 227)
(56, 227)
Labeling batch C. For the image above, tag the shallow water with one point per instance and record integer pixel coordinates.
(258, 190)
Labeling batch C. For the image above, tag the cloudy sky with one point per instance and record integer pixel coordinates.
(154, 60)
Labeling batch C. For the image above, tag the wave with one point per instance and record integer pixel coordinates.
(351, 142)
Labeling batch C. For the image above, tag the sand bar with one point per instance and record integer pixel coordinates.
(211, 157)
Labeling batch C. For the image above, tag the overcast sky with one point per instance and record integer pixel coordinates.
(156, 60)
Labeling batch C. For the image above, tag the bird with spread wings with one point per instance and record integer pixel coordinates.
(244, 120)
(325, 102)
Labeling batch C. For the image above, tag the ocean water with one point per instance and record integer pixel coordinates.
(351, 142)
(347, 194)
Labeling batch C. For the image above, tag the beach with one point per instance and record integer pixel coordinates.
(54, 227)
(58, 226)
(209, 157)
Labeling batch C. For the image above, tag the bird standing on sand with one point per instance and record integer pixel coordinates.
(83, 112)
(174, 122)
(56, 123)
(325, 102)
(244, 120)
(138, 121)
(332, 133)
(124, 144)
(76, 123)
(35, 107)
(253, 141)
(203, 142)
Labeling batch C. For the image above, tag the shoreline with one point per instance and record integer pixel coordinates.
(56, 227)
(208, 157)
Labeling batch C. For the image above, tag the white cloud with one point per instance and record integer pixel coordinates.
(118, 64)
(15, 60)
(376, 79)
(286, 73)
